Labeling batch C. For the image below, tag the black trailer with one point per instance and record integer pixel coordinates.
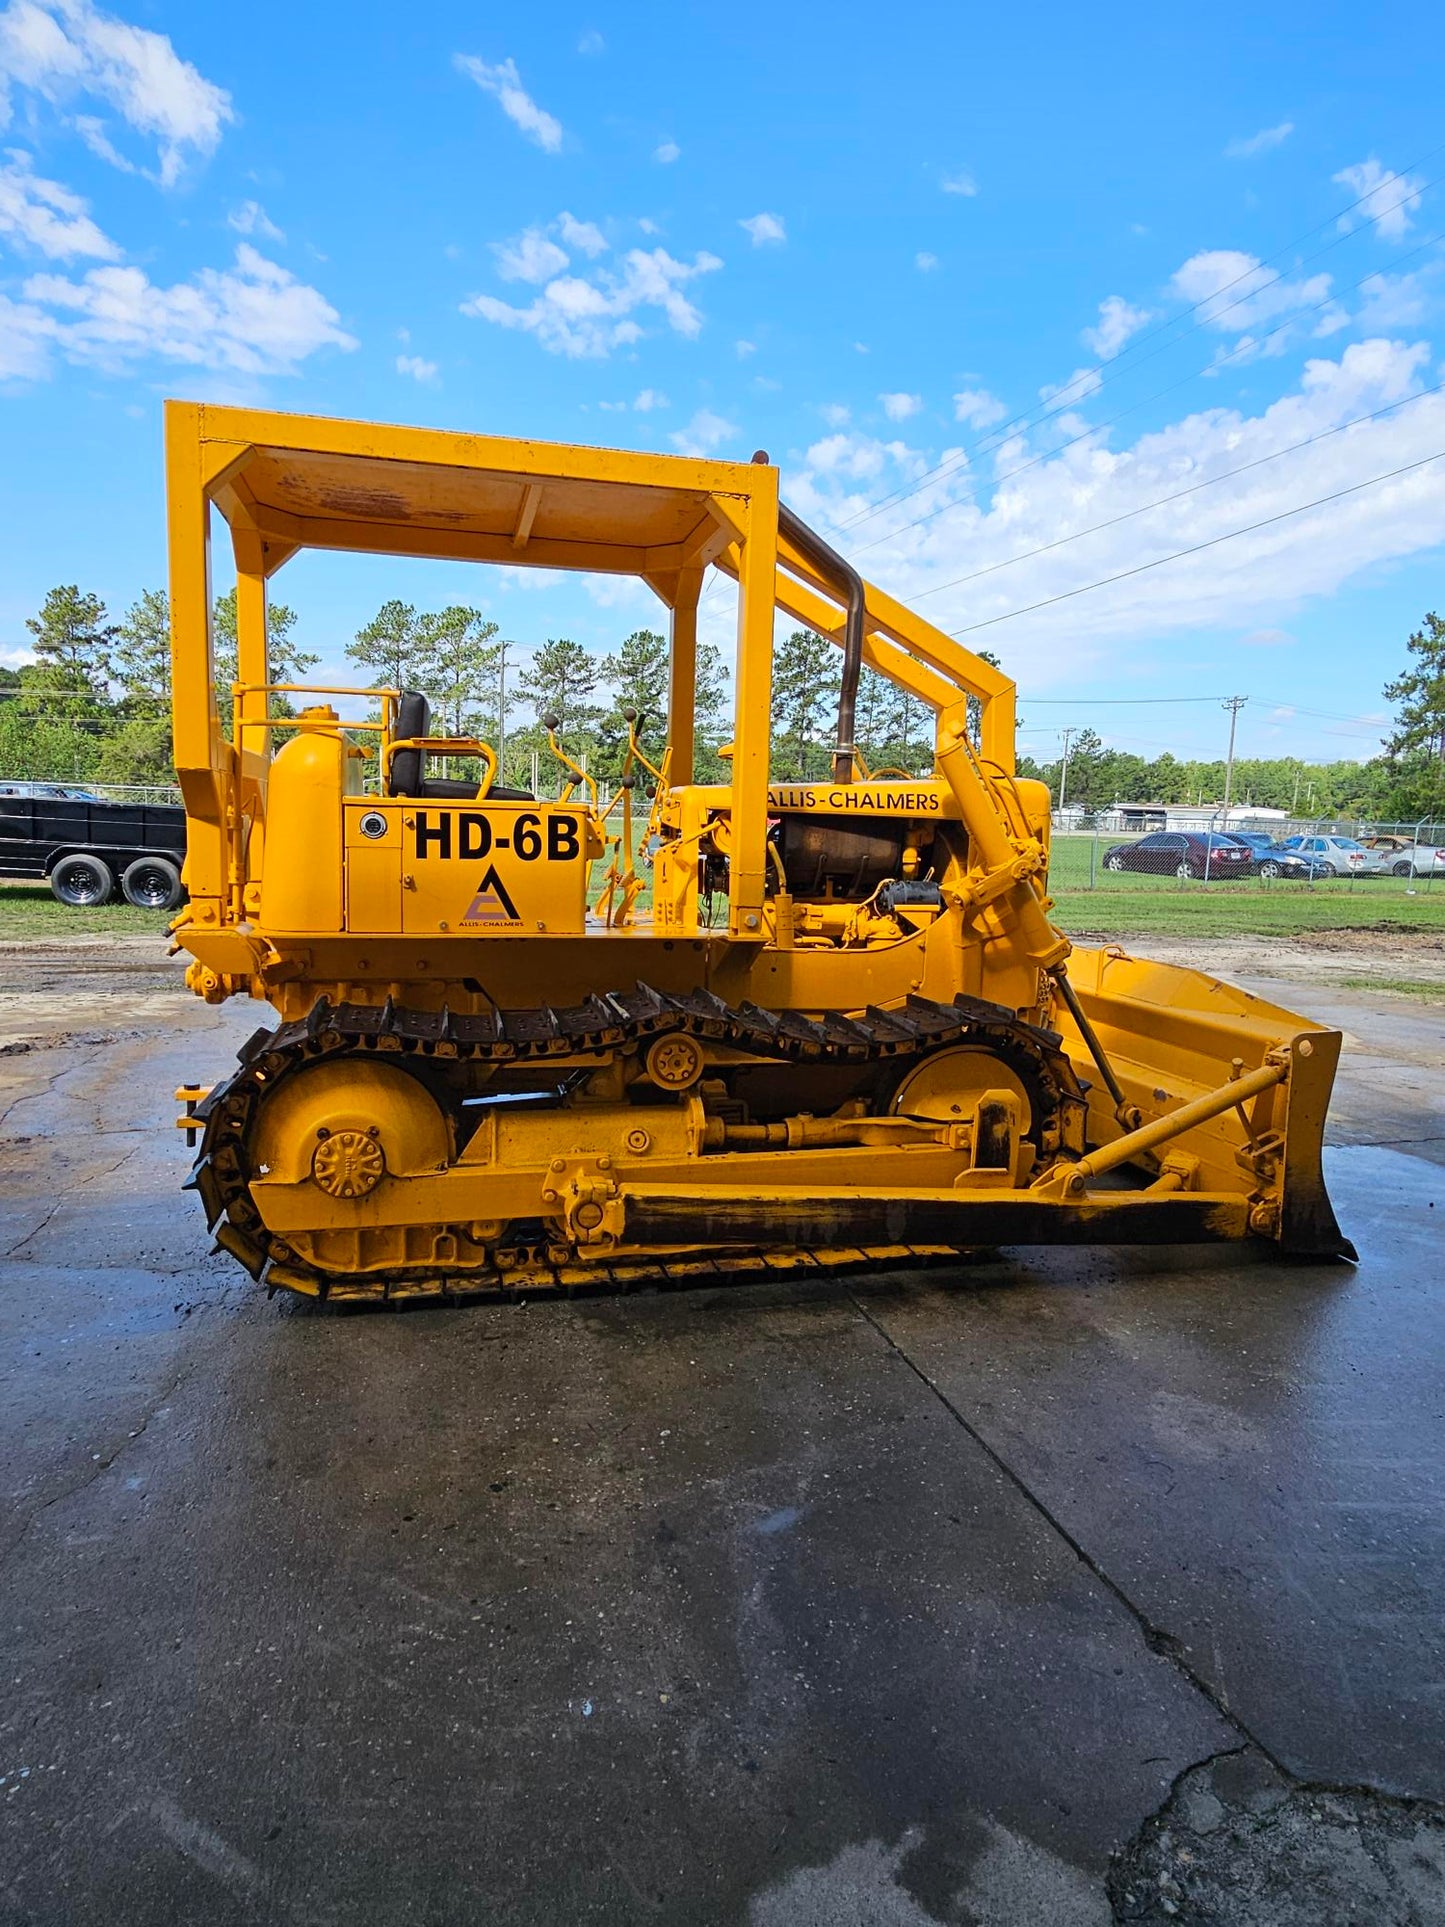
(88, 847)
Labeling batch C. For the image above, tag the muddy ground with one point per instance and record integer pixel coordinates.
(1061, 1588)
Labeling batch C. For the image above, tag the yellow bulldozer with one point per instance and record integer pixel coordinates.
(694, 1030)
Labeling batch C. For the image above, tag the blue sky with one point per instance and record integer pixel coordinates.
(980, 279)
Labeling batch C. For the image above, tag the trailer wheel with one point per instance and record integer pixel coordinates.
(152, 883)
(83, 881)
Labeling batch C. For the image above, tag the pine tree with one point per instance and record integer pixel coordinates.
(805, 695)
(871, 716)
(457, 664)
(908, 733)
(72, 646)
(141, 660)
(390, 646)
(1420, 695)
(559, 682)
(638, 674)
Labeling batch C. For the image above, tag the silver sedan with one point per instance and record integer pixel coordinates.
(1346, 856)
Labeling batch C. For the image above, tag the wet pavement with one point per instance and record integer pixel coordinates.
(1068, 1588)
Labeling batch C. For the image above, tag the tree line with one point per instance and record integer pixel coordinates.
(95, 702)
(1405, 783)
(95, 705)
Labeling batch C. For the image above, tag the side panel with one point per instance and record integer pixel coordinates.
(487, 870)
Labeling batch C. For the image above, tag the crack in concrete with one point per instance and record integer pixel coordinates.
(89, 1050)
(64, 1197)
(1253, 1846)
(1158, 1641)
(98, 1466)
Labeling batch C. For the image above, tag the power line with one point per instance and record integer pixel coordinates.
(1130, 352)
(1119, 702)
(1179, 494)
(1199, 547)
(1051, 454)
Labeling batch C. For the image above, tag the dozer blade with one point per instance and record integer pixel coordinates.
(1172, 1037)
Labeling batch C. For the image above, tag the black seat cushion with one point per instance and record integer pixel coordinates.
(413, 718)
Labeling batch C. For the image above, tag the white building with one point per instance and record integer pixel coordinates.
(1204, 817)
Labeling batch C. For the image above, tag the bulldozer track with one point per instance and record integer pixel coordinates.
(598, 1027)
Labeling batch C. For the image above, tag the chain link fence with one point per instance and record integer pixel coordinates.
(1126, 850)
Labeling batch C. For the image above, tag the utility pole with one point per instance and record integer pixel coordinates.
(1233, 704)
(1064, 772)
(502, 712)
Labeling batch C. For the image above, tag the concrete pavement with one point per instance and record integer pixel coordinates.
(1065, 1589)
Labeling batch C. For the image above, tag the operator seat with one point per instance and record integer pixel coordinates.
(407, 777)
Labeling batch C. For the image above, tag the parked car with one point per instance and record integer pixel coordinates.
(1182, 853)
(85, 847)
(1278, 860)
(1345, 855)
(1272, 859)
(1404, 856)
(64, 791)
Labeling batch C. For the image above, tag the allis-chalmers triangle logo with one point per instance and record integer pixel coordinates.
(492, 904)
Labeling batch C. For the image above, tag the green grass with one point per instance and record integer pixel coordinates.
(1400, 986)
(1123, 904)
(28, 910)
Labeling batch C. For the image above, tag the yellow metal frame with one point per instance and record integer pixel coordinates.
(302, 889)
(287, 482)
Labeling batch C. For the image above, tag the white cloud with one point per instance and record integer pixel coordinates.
(765, 228)
(417, 367)
(667, 153)
(591, 43)
(705, 432)
(504, 83)
(1386, 198)
(63, 48)
(978, 408)
(959, 182)
(1263, 142)
(745, 348)
(649, 399)
(1247, 585)
(578, 317)
(251, 319)
(92, 132)
(582, 235)
(1234, 292)
(1118, 322)
(1267, 639)
(46, 217)
(835, 414)
(1391, 301)
(530, 257)
(925, 262)
(1068, 394)
(845, 458)
(533, 256)
(251, 218)
(898, 407)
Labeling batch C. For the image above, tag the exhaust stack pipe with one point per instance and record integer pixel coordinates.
(846, 583)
